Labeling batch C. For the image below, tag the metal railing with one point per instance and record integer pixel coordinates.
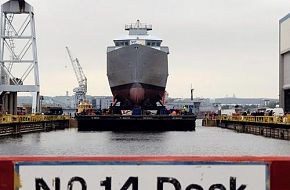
(7, 118)
(257, 119)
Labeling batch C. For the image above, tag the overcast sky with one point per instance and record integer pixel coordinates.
(222, 47)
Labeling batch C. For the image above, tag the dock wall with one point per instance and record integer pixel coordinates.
(266, 130)
(16, 125)
(267, 126)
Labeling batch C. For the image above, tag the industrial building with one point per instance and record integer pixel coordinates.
(284, 63)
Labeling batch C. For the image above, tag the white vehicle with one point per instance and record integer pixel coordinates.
(278, 112)
(275, 111)
(228, 111)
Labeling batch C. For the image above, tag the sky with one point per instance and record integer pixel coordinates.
(220, 47)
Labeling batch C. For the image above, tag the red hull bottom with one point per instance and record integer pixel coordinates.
(138, 94)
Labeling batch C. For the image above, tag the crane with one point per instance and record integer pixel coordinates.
(81, 90)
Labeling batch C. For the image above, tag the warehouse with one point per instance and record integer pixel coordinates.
(284, 63)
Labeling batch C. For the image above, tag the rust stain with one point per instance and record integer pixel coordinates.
(17, 181)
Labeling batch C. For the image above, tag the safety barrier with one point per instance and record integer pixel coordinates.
(6, 119)
(145, 172)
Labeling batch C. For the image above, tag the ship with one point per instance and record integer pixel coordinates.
(137, 70)
(137, 67)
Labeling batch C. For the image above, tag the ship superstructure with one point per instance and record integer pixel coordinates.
(137, 67)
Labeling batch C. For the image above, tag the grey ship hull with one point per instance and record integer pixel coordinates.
(137, 74)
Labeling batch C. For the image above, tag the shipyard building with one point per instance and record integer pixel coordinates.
(284, 63)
